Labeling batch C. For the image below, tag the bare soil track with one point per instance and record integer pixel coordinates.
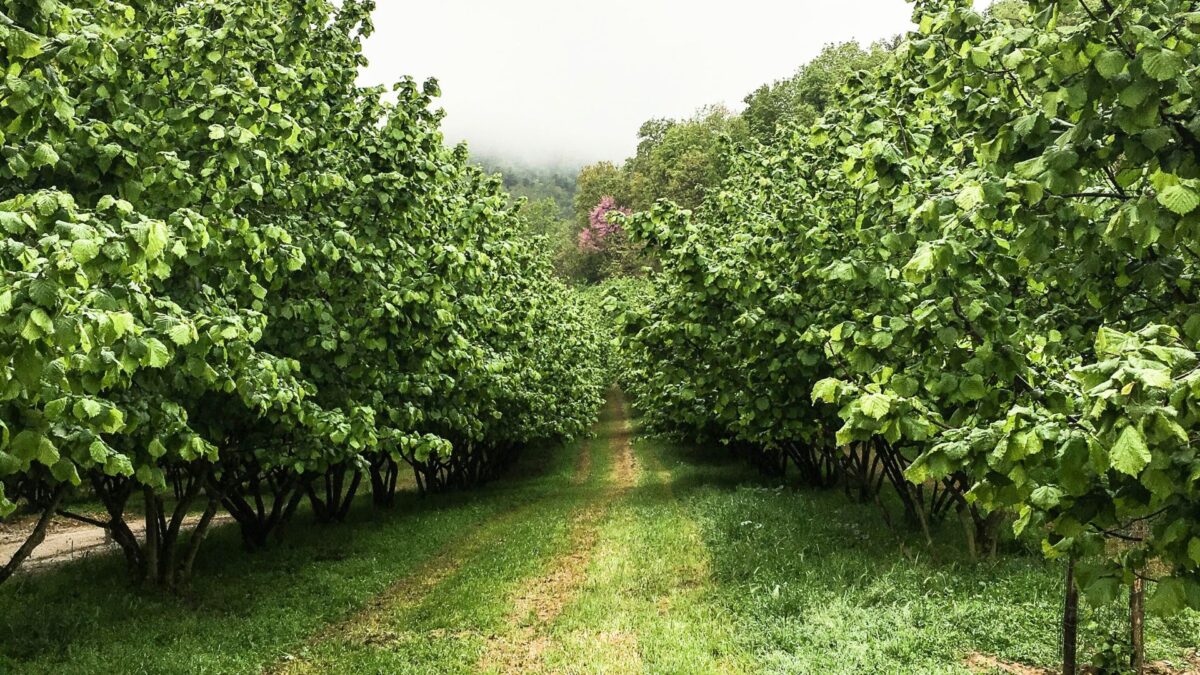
(69, 540)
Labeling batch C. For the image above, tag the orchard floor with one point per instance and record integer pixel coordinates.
(614, 555)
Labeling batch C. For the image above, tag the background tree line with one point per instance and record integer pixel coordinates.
(679, 160)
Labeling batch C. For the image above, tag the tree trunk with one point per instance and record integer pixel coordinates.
(151, 572)
(1137, 618)
(198, 534)
(1070, 622)
(338, 497)
(384, 474)
(245, 499)
(1137, 608)
(36, 537)
(348, 498)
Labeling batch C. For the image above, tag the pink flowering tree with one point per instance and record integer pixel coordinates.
(602, 233)
(603, 250)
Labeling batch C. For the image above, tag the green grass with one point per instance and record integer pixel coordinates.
(246, 610)
(816, 583)
(649, 604)
(699, 565)
(446, 630)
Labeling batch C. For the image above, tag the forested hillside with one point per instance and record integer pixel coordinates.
(683, 160)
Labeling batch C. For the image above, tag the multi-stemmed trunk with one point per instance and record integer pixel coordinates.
(161, 557)
(385, 472)
(261, 501)
(331, 495)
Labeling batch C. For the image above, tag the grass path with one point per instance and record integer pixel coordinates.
(522, 646)
(609, 575)
(614, 555)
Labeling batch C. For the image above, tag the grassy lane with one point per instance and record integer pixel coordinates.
(485, 611)
(246, 613)
(537, 604)
(647, 603)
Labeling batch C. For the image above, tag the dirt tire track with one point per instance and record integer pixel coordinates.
(538, 603)
(368, 626)
(69, 540)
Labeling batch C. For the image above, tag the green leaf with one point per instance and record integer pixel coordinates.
(216, 132)
(826, 390)
(87, 408)
(181, 334)
(1162, 64)
(118, 465)
(55, 409)
(148, 475)
(1130, 455)
(25, 444)
(13, 223)
(156, 238)
(970, 197)
(917, 472)
(9, 465)
(973, 387)
(921, 264)
(1170, 596)
(98, 452)
(24, 45)
(1046, 497)
(905, 386)
(1179, 199)
(1136, 93)
(47, 454)
(1194, 550)
(159, 356)
(45, 293)
(875, 406)
(84, 250)
(42, 320)
(1110, 342)
(44, 156)
(122, 322)
(64, 471)
(1110, 63)
(1022, 521)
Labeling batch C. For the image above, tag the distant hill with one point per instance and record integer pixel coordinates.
(535, 182)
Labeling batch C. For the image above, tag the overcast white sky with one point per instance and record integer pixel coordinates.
(571, 81)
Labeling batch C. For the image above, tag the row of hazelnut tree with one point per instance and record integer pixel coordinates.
(234, 279)
(974, 280)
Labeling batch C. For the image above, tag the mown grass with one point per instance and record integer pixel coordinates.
(815, 583)
(699, 566)
(649, 603)
(448, 629)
